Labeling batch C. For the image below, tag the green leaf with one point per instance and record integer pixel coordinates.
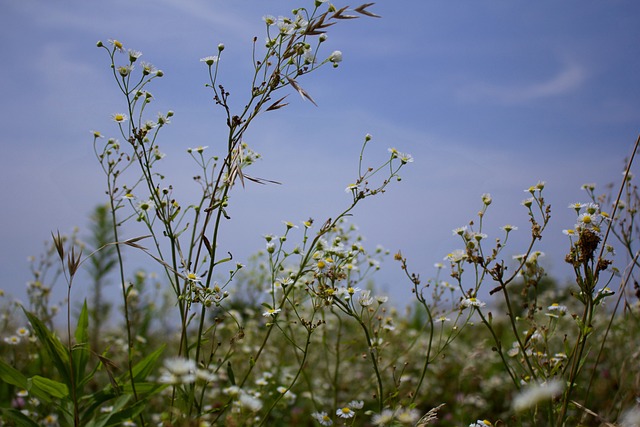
(143, 388)
(80, 352)
(18, 418)
(10, 375)
(127, 414)
(104, 418)
(39, 385)
(144, 367)
(52, 345)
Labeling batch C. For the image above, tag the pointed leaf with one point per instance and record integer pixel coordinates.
(39, 385)
(52, 345)
(362, 10)
(143, 368)
(104, 418)
(80, 351)
(301, 91)
(12, 376)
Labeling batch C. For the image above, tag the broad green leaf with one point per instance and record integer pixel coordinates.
(10, 375)
(57, 352)
(52, 388)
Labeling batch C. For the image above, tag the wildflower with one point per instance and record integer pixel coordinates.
(577, 206)
(587, 220)
(163, 120)
(335, 57)
(119, 117)
(50, 420)
(456, 256)
(382, 299)
(232, 391)
(407, 416)
(386, 417)
(134, 55)
(460, 230)
(405, 158)
(193, 277)
(209, 60)
(631, 417)
(356, 404)
(269, 20)
(569, 232)
(272, 312)
(148, 68)
(486, 199)
(533, 258)
(514, 350)
(443, 319)
(509, 228)
(481, 423)
(345, 412)
(365, 299)
(116, 44)
(125, 70)
(591, 208)
(22, 332)
(322, 418)
(535, 394)
(12, 340)
(146, 205)
(129, 423)
(472, 302)
(557, 307)
(96, 134)
(199, 149)
(285, 26)
(527, 202)
(478, 236)
(250, 402)
(178, 370)
(220, 47)
(289, 225)
(351, 187)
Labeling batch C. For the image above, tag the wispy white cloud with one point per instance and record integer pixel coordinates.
(568, 79)
(222, 19)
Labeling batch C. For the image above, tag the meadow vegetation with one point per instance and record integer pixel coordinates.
(298, 335)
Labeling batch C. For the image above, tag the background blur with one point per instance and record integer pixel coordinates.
(487, 96)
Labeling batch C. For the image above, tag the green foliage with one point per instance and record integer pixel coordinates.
(300, 335)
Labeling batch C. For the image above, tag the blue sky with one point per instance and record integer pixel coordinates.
(488, 97)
